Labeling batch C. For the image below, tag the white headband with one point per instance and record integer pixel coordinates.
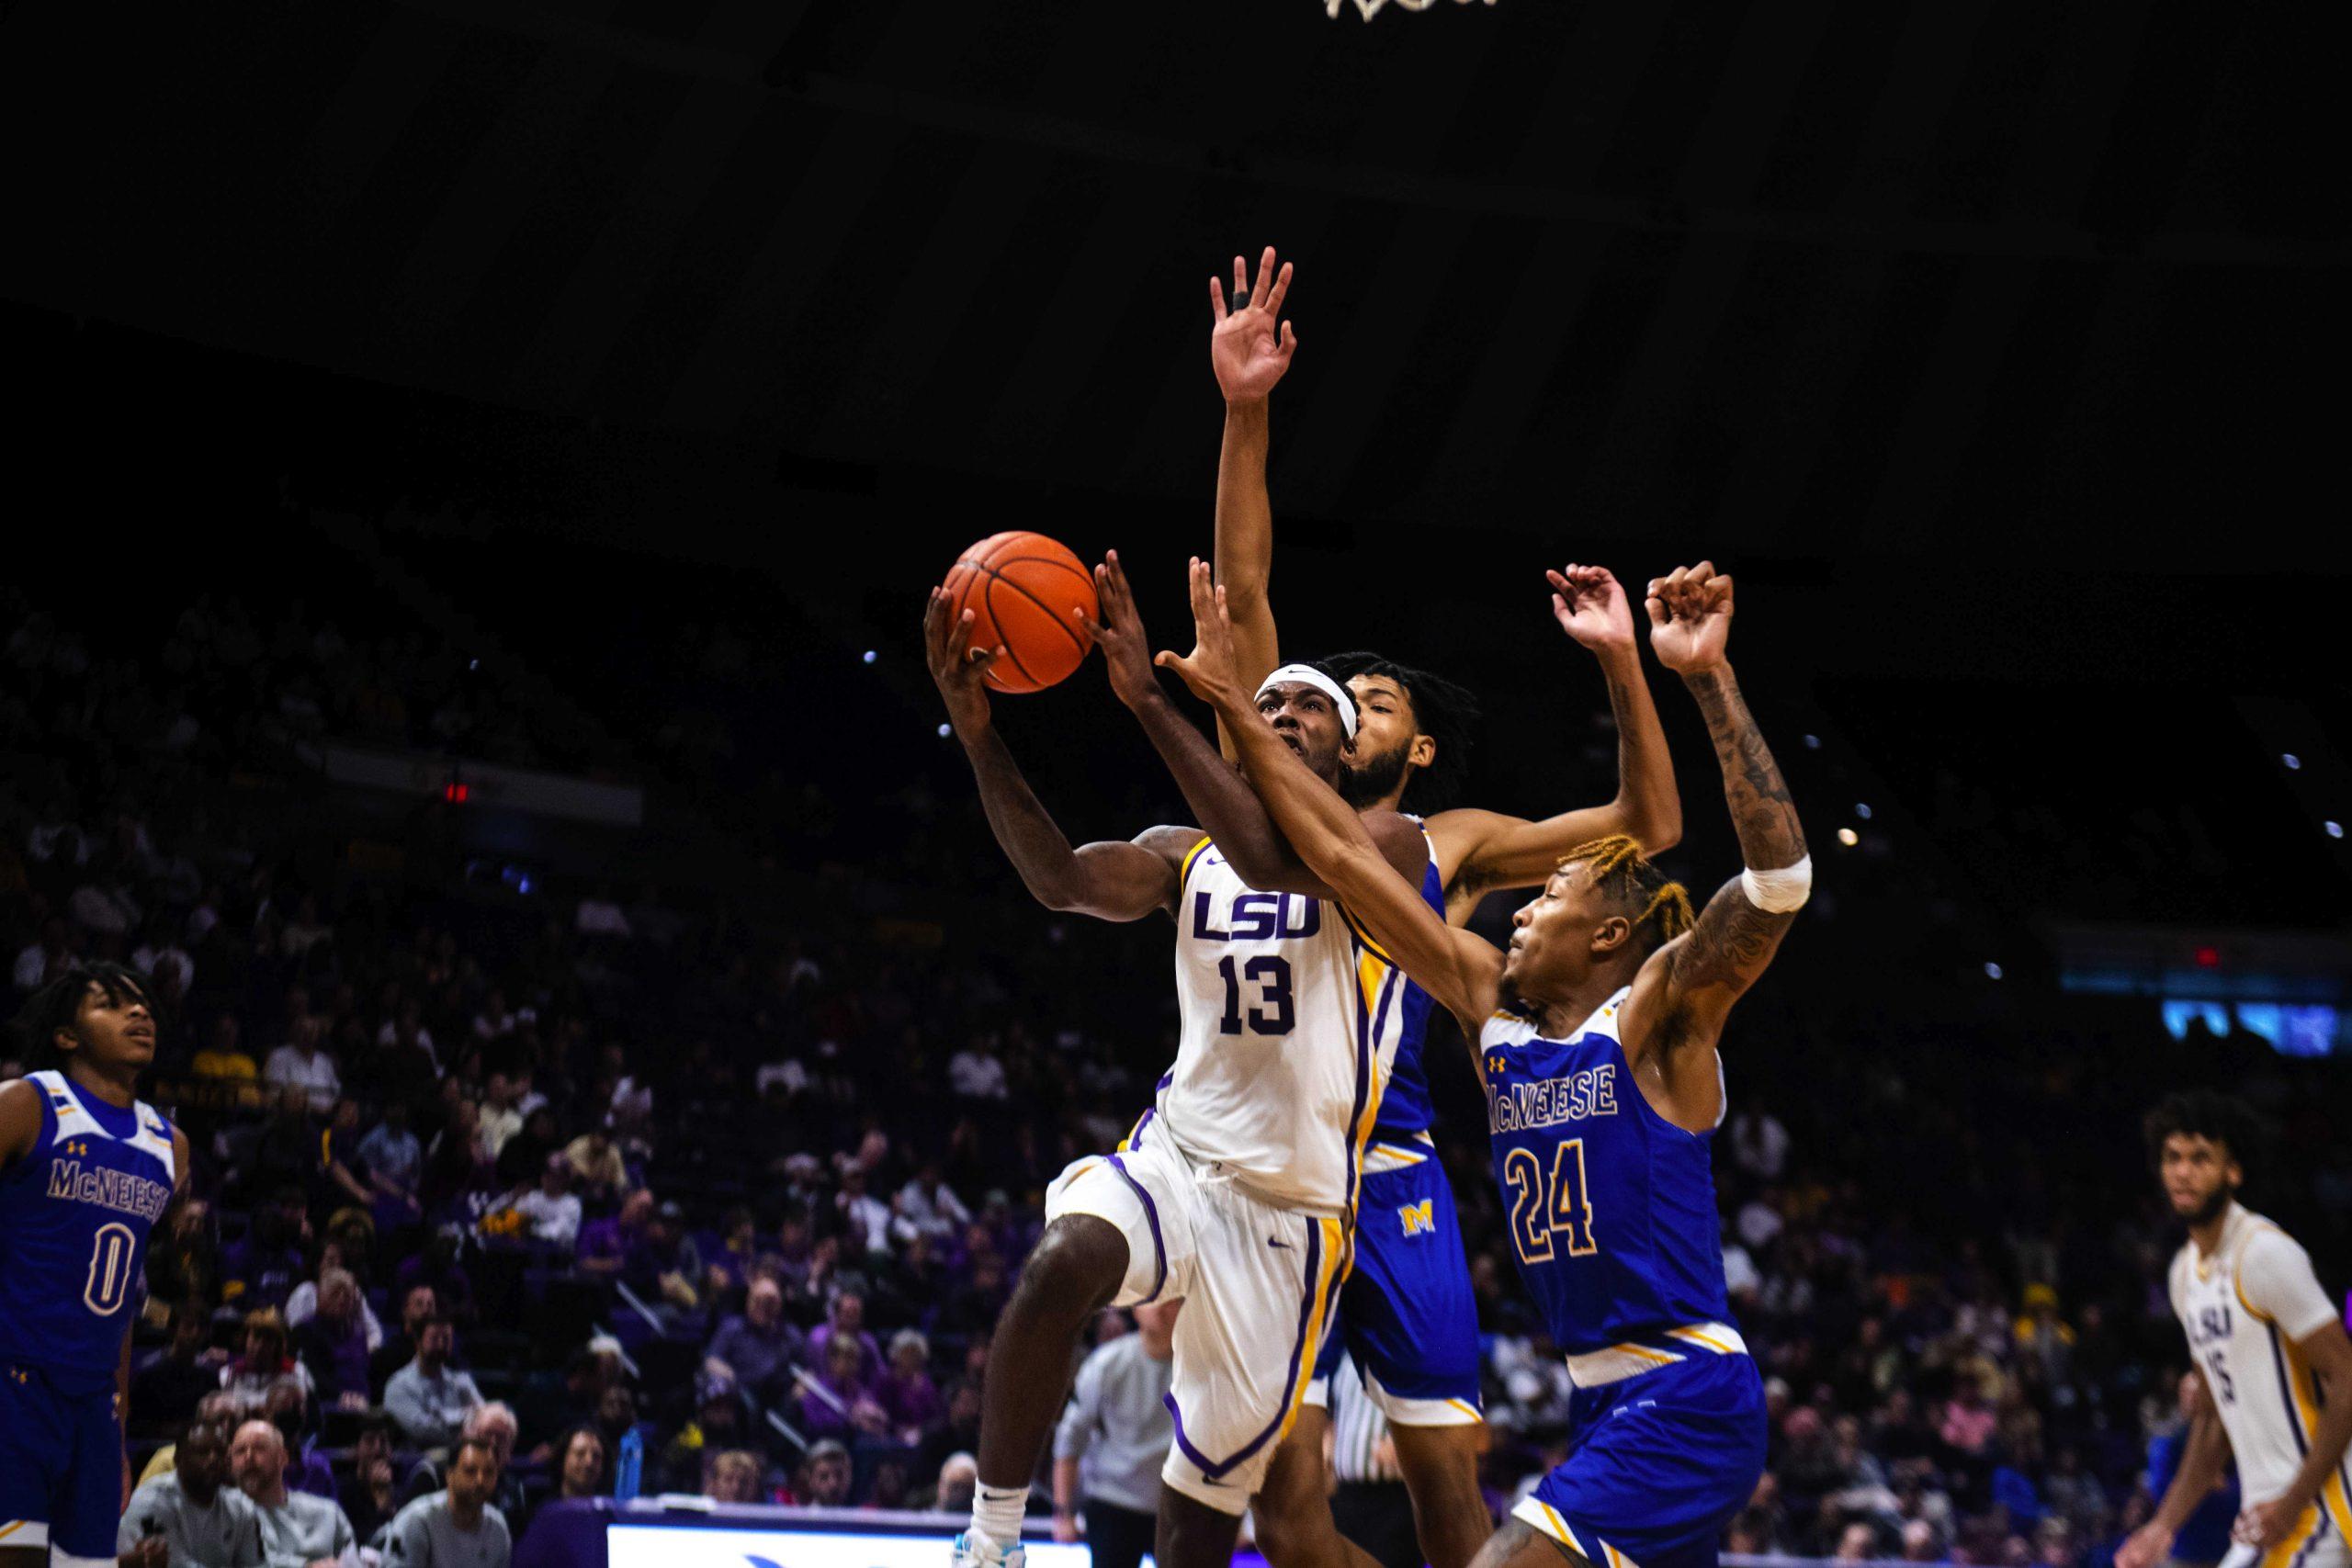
(1307, 675)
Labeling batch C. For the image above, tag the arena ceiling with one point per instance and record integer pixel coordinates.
(1793, 277)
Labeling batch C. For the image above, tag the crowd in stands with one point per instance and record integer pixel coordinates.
(504, 1199)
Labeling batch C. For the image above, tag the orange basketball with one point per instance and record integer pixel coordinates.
(1030, 596)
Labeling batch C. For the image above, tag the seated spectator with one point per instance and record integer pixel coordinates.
(617, 1247)
(498, 1119)
(455, 1528)
(262, 1267)
(302, 1302)
(551, 1208)
(582, 1470)
(718, 1423)
(845, 1317)
(395, 1163)
(189, 1516)
(906, 1392)
(437, 1266)
(454, 1166)
(597, 1163)
(866, 1219)
(297, 1529)
(308, 1469)
(169, 1383)
(928, 1206)
(529, 1151)
(494, 1424)
(302, 1063)
(419, 1306)
(371, 1495)
(959, 1477)
(429, 1400)
(758, 1347)
(222, 1057)
(838, 1402)
(268, 1356)
(735, 1476)
(333, 1343)
(824, 1477)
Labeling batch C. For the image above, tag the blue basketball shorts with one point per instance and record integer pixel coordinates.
(1407, 1315)
(1657, 1464)
(60, 1461)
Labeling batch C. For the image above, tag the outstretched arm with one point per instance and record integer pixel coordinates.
(1250, 350)
(1218, 795)
(1482, 851)
(1111, 880)
(1688, 986)
(2202, 1458)
(1461, 971)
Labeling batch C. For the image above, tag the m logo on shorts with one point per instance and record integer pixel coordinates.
(1418, 1219)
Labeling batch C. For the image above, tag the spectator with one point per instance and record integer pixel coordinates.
(268, 1357)
(419, 1306)
(906, 1392)
(298, 1530)
(845, 1317)
(394, 1159)
(865, 1218)
(825, 1476)
(758, 1347)
(303, 1302)
(719, 1424)
(2204, 1539)
(618, 1247)
(735, 1477)
(333, 1343)
(170, 1383)
(302, 1063)
(428, 1400)
(499, 1119)
(551, 1208)
(928, 1206)
(976, 1072)
(1113, 1438)
(455, 1528)
(529, 1151)
(959, 1477)
(222, 1057)
(495, 1424)
(583, 1464)
(189, 1518)
(597, 1166)
(371, 1495)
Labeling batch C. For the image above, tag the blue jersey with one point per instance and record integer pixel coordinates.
(1612, 1207)
(1405, 1107)
(75, 1213)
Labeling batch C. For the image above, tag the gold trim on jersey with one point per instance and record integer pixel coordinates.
(2304, 1411)
(2284, 1552)
(1185, 873)
(1329, 1273)
(1363, 935)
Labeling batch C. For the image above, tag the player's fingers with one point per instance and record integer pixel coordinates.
(1659, 615)
(1704, 571)
(1289, 340)
(1721, 588)
(1240, 281)
(1559, 605)
(1263, 287)
(1216, 298)
(1281, 285)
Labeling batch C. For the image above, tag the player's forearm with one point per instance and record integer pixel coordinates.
(1023, 828)
(1065, 1486)
(2200, 1472)
(1221, 799)
(1771, 838)
(1245, 511)
(1647, 794)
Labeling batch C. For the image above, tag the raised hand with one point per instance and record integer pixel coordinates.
(1251, 347)
(1125, 652)
(1690, 618)
(955, 665)
(1591, 608)
(1211, 670)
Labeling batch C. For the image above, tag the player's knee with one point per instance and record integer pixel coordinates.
(1074, 1269)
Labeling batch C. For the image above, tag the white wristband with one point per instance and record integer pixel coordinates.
(1778, 892)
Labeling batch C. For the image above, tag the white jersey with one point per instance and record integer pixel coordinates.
(2243, 1306)
(1291, 1018)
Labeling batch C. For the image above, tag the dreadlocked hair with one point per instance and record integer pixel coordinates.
(1620, 869)
(58, 1005)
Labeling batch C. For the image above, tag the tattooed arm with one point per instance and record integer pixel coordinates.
(1687, 988)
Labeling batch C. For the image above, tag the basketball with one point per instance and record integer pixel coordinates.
(1030, 596)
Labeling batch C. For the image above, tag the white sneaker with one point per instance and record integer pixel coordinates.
(976, 1551)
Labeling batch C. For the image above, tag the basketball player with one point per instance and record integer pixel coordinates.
(1407, 1312)
(2269, 1348)
(1234, 1189)
(85, 1168)
(1596, 1046)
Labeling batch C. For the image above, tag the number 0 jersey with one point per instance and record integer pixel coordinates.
(1289, 1024)
(2245, 1305)
(75, 1213)
(1612, 1207)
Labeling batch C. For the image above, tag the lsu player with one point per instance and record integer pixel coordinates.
(85, 1170)
(1595, 1043)
(1407, 1312)
(2269, 1348)
(1234, 1190)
